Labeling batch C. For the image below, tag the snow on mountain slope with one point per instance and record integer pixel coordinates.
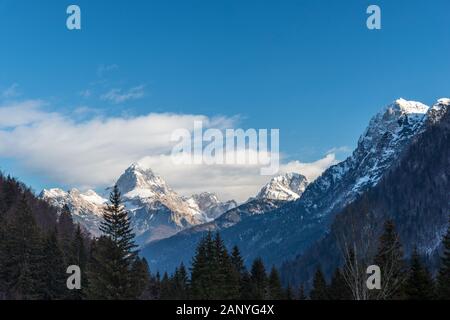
(86, 208)
(210, 204)
(280, 191)
(386, 136)
(287, 187)
(289, 229)
(155, 209)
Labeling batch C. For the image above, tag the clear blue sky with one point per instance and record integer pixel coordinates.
(308, 67)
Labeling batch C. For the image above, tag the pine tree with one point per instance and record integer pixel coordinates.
(53, 276)
(181, 284)
(237, 261)
(213, 274)
(419, 285)
(66, 233)
(155, 287)
(275, 290)
(21, 268)
(141, 277)
(111, 275)
(166, 289)
(2, 255)
(339, 289)
(443, 278)
(117, 227)
(225, 277)
(258, 280)
(289, 293)
(103, 272)
(79, 257)
(390, 260)
(301, 293)
(246, 287)
(319, 290)
(201, 272)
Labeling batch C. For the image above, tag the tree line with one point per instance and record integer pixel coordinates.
(37, 245)
(400, 279)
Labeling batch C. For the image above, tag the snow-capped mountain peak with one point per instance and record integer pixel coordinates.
(140, 182)
(409, 107)
(286, 187)
(438, 110)
(155, 209)
(210, 204)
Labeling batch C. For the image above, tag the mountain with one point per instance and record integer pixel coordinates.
(86, 208)
(287, 187)
(210, 204)
(288, 230)
(414, 193)
(155, 209)
(276, 193)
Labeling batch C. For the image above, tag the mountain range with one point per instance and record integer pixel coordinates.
(157, 211)
(290, 221)
(286, 231)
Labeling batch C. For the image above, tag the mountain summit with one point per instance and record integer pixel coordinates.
(156, 210)
(283, 231)
(287, 187)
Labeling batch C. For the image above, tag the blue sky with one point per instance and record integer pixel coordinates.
(308, 67)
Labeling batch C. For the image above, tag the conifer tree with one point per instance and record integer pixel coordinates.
(140, 278)
(66, 233)
(52, 275)
(289, 293)
(246, 287)
(258, 280)
(213, 274)
(201, 274)
(79, 257)
(301, 293)
(166, 289)
(390, 260)
(443, 278)
(117, 226)
(237, 261)
(103, 272)
(111, 275)
(419, 285)
(338, 289)
(225, 277)
(21, 268)
(319, 289)
(275, 290)
(181, 283)
(2, 255)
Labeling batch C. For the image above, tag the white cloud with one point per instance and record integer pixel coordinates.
(341, 149)
(310, 170)
(94, 151)
(22, 113)
(120, 96)
(237, 182)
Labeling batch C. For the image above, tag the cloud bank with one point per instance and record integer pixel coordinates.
(93, 152)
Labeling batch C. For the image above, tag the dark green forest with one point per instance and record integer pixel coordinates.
(37, 244)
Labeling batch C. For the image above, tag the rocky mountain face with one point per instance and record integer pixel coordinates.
(155, 209)
(287, 187)
(86, 208)
(181, 247)
(414, 193)
(288, 230)
(210, 204)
